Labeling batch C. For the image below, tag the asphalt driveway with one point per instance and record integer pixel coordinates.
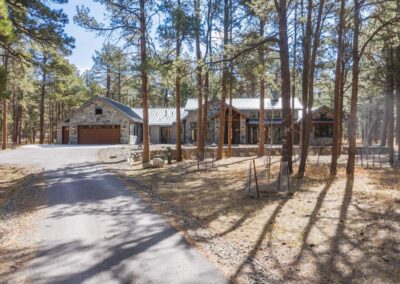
(94, 229)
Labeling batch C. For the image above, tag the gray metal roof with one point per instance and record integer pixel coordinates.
(246, 104)
(124, 108)
(161, 116)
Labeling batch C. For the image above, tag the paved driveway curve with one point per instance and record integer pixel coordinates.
(95, 230)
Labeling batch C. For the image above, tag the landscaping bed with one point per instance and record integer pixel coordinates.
(329, 230)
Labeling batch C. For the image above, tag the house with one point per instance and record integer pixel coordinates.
(321, 132)
(321, 126)
(245, 120)
(104, 121)
(162, 124)
(101, 121)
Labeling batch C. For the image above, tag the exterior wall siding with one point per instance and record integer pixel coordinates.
(88, 116)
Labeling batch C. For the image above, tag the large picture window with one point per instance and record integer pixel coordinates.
(323, 131)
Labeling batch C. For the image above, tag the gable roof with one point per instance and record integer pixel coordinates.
(161, 116)
(128, 111)
(323, 107)
(246, 104)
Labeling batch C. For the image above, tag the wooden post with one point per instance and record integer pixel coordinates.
(249, 176)
(379, 157)
(373, 157)
(362, 161)
(255, 177)
(279, 176)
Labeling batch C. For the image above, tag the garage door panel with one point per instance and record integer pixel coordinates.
(99, 134)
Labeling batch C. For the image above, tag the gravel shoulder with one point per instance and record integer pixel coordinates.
(328, 231)
(21, 193)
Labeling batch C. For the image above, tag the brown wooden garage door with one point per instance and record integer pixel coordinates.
(99, 134)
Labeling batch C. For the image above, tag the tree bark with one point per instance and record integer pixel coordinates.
(385, 120)
(390, 96)
(42, 98)
(221, 134)
(261, 140)
(178, 98)
(200, 134)
(304, 90)
(108, 83)
(144, 87)
(230, 119)
(398, 122)
(285, 84)
(294, 70)
(337, 108)
(354, 92)
(206, 96)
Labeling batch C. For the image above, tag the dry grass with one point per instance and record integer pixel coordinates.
(10, 177)
(329, 230)
(19, 191)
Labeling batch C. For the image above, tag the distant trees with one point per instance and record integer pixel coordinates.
(28, 24)
(338, 53)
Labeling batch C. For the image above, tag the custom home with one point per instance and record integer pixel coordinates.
(104, 121)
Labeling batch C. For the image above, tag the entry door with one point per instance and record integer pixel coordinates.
(65, 135)
(164, 135)
(236, 132)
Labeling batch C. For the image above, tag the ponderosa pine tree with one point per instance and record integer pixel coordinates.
(130, 21)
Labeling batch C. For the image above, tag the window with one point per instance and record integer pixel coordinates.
(98, 110)
(324, 116)
(135, 130)
(193, 131)
(323, 131)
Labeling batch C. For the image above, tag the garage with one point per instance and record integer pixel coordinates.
(99, 134)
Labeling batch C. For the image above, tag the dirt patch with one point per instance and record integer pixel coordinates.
(329, 230)
(20, 190)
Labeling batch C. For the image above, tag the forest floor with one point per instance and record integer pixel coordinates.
(20, 188)
(328, 230)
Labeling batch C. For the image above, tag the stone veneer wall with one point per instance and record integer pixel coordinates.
(87, 116)
(189, 153)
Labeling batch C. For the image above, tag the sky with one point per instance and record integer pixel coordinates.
(85, 42)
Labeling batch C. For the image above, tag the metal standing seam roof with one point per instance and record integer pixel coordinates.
(161, 116)
(246, 104)
(123, 108)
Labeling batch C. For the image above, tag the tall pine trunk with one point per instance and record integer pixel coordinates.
(144, 87)
(390, 96)
(385, 120)
(304, 90)
(337, 108)
(221, 134)
(230, 118)
(285, 84)
(42, 99)
(200, 134)
(261, 140)
(310, 99)
(354, 91)
(178, 98)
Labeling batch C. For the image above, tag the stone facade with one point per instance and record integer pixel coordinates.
(322, 117)
(110, 116)
(213, 122)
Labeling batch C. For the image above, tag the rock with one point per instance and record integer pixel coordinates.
(158, 163)
(147, 165)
